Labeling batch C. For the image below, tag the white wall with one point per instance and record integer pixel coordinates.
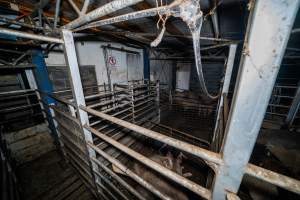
(91, 53)
(183, 73)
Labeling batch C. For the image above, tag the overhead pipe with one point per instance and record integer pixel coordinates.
(11, 21)
(57, 10)
(130, 16)
(30, 36)
(85, 6)
(74, 6)
(100, 12)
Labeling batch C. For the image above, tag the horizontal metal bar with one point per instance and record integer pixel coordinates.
(286, 86)
(133, 34)
(119, 179)
(232, 196)
(67, 115)
(192, 149)
(30, 36)
(11, 21)
(182, 133)
(20, 96)
(105, 94)
(217, 58)
(115, 114)
(104, 103)
(117, 135)
(129, 172)
(16, 92)
(119, 49)
(282, 96)
(114, 108)
(279, 106)
(269, 176)
(21, 66)
(62, 100)
(203, 192)
(13, 109)
(277, 114)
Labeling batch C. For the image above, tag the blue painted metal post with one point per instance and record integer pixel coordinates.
(146, 64)
(45, 86)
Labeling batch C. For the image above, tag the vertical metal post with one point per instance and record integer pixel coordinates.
(131, 87)
(268, 32)
(225, 88)
(157, 99)
(77, 90)
(293, 109)
(107, 66)
(56, 16)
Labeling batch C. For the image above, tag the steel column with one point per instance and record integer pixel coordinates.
(77, 90)
(268, 32)
(57, 10)
(225, 88)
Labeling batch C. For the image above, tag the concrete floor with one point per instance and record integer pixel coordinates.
(50, 177)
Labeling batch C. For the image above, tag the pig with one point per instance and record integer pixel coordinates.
(158, 181)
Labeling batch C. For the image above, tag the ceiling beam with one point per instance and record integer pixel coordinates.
(170, 27)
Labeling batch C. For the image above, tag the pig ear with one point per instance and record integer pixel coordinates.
(168, 163)
(169, 159)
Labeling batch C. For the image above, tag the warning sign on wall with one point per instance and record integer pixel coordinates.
(112, 61)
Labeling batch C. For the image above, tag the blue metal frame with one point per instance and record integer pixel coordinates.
(146, 64)
(45, 86)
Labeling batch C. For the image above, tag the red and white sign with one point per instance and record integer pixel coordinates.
(112, 61)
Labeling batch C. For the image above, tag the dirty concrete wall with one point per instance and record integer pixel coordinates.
(60, 79)
(213, 73)
(162, 70)
(91, 53)
(168, 72)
